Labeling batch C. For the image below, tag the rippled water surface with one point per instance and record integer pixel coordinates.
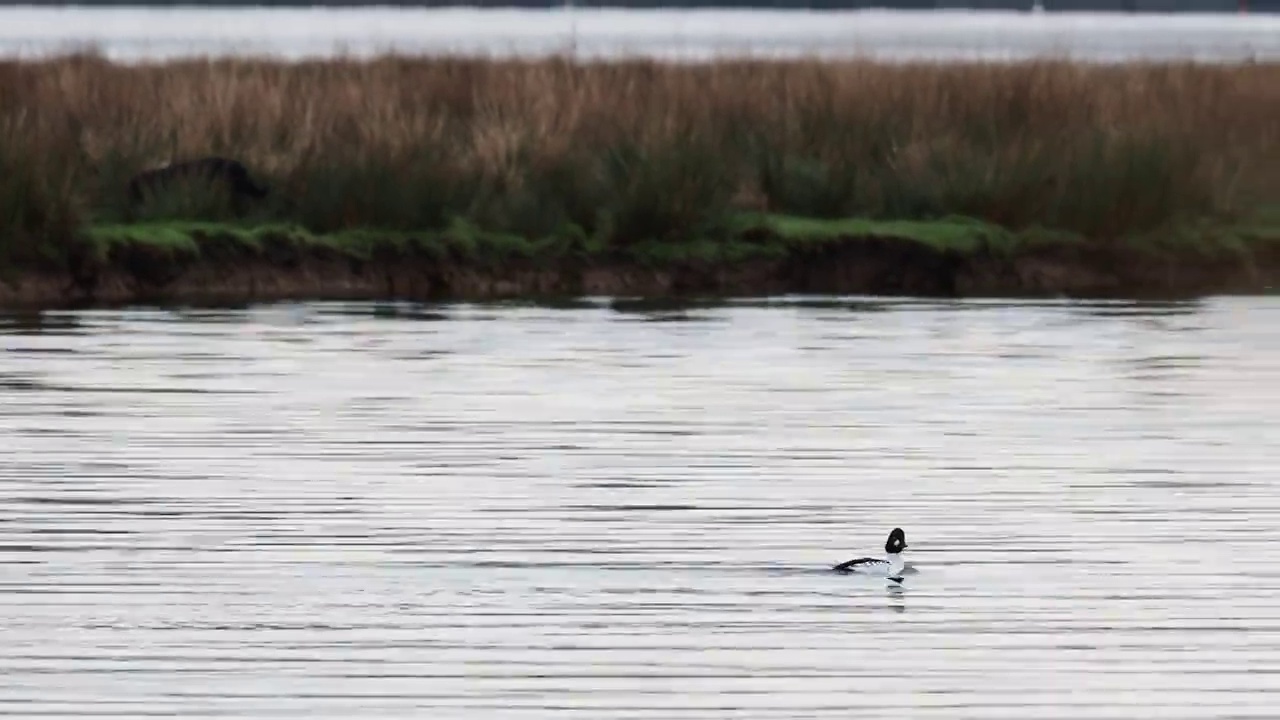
(133, 34)
(620, 511)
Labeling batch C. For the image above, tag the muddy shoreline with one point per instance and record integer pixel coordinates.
(226, 273)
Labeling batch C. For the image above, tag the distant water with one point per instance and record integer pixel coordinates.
(130, 34)
(623, 512)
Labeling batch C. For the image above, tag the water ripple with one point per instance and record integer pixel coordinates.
(619, 509)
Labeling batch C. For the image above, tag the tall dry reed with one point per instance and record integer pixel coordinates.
(642, 149)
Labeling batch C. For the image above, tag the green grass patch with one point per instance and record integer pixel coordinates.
(175, 236)
(950, 233)
(740, 239)
(954, 233)
(1211, 237)
(459, 240)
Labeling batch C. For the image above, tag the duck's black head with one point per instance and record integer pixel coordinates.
(896, 543)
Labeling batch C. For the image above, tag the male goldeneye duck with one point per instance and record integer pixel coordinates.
(890, 567)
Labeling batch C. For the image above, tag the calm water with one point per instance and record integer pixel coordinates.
(134, 34)
(595, 511)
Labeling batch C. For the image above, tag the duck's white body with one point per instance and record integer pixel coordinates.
(891, 566)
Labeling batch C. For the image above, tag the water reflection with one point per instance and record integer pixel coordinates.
(542, 510)
(37, 323)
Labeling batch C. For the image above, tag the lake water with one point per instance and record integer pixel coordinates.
(614, 511)
(133, 34)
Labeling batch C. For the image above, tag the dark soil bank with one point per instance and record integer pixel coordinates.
(229, 272)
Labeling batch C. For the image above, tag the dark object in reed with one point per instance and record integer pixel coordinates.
(231, 173)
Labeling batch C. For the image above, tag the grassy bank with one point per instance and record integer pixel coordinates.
(759, 254)
(638, 157)
(749, 236)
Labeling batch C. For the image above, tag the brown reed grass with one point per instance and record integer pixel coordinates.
(646, 150)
